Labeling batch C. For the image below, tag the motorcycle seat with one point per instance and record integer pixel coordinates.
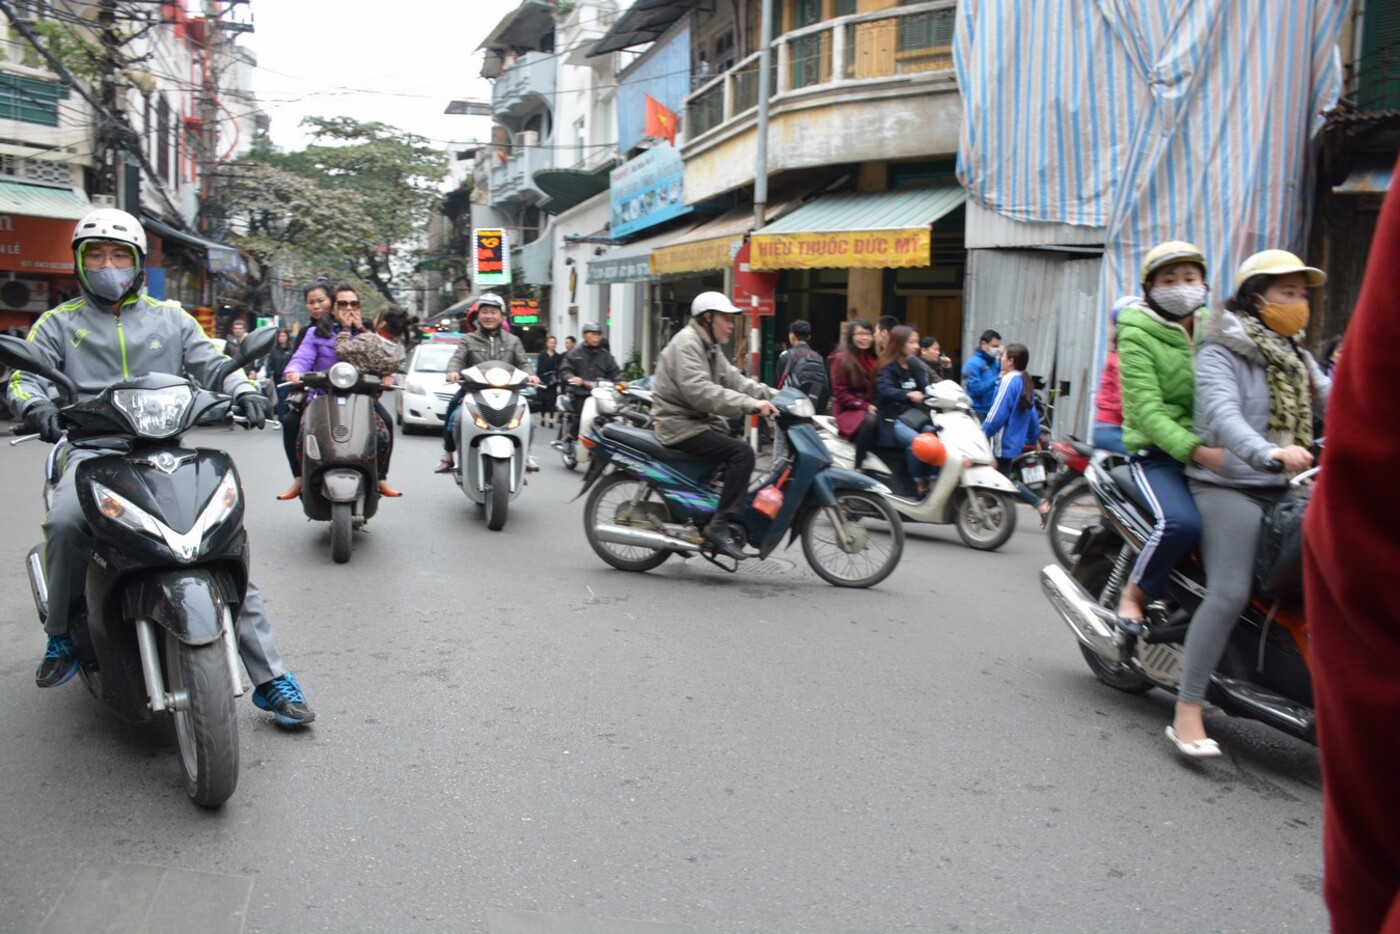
(1123, 476)
(640, 439)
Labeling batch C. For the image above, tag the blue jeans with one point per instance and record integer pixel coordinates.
(906, 435)
(1162, 480)
(1026, 493)
(1109, 438)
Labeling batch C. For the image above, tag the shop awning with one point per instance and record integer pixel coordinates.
(43, 201)
(856, 230)
(522, 27)
(645, 21)
(221, 256)
(569, 188)
(713, 245)
(631, 263)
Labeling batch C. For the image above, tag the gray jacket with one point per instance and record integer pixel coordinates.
(96, 348)
(697, 388)
(478, 347)
(1232, 404)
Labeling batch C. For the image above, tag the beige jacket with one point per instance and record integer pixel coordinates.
(697, 388)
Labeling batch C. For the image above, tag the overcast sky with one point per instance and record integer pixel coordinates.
(398, 62)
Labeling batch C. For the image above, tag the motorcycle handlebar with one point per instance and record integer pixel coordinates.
(1275, 465)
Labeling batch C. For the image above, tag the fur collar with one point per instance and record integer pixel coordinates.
(1223, 327)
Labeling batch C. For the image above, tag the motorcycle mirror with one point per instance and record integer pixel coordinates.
(256, 345)
(22, 355)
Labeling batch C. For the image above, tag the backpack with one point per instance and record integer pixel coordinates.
(807, 371)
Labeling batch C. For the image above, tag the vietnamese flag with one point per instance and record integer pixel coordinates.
(660, 121)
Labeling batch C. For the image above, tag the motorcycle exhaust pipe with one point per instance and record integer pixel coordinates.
(642, 538)
(1092, 624)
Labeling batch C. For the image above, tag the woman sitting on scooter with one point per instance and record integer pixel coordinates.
(318, 353)
(1013, 424)
(899, 389)
(1256, 394)
(853, 386)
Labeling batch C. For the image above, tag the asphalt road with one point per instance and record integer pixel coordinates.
(513, 737)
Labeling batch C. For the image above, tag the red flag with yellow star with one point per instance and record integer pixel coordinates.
(661, 121)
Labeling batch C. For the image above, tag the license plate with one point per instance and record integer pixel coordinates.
(1031, 476)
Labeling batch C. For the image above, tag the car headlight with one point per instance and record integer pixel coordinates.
(415, 389)
(154, 413)
(343, 375)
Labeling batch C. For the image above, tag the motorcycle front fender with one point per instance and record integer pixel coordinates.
(186, 603)
(343, 485)
(985, 477)
(497, 446)
(828, 481)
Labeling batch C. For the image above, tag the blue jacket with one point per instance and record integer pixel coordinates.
(980, 380)
(1009, 428)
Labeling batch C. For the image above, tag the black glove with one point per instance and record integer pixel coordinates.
(41, 418)
(252, 406)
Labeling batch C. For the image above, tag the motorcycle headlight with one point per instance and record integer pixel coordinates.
(223, 501)
(343, 375)
(124, 512)
(475, 413)
(606, 402)
(517, 418)
(154, 413)
(498, 377)
(185, 545)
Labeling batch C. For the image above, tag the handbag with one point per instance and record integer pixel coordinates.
(1278, 565)
(916, 418)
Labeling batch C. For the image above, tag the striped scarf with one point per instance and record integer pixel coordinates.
(1290, 396)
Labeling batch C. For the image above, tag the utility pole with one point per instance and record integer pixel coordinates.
(108, 148)
(209, 119)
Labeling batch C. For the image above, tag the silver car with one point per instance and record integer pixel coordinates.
(426, 392)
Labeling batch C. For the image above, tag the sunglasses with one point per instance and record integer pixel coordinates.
(340, 303)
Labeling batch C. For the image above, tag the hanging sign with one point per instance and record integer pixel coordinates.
(524, 311)
(755, 292)
(490, 256)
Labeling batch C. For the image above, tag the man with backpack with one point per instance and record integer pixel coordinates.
(803, 367)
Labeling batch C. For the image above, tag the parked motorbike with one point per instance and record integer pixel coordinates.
(493, 437)
(607, 400)
(969, 491)
(340, 453)
(1263, 674)
(155, 636)
(649, 501)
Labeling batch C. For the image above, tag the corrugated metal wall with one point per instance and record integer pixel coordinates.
(1047, 301)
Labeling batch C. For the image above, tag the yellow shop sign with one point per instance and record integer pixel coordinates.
(844, 249)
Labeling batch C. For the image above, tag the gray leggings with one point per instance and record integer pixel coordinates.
(1231, 518)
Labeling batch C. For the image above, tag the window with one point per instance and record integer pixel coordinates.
(31, 100)
(723, 59)
(845, 7)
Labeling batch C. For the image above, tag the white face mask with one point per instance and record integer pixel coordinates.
(1178, 301)
(109, 282)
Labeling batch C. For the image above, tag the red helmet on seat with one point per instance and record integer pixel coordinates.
(928, 448)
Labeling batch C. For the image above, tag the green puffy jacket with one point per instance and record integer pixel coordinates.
(1155, 360)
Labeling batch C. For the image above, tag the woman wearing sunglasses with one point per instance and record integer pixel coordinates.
(318, 353)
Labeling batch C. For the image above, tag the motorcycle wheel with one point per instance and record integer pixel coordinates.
(611, 501)
(1092, 573)
(497, 492)
(206, 728)
(868, 551)
(991, 533)
(1074, 509)
(342, 532)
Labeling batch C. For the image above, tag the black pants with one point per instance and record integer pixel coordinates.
(737, 458)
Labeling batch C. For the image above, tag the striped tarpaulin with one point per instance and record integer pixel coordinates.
(1155, 119)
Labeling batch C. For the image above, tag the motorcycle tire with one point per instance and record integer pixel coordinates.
(991, 533)
(497, 482)
(833, 556)
(342, 532)
(1092, 573)
(1073, 510)
(206, 727)
(620, 490)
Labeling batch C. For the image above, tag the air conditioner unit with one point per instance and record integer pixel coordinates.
(527, 138)
(30, 295)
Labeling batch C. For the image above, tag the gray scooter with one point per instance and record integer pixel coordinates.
(340, 453)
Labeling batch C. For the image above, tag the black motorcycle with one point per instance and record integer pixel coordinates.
(169, 569)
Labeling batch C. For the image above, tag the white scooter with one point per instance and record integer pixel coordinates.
(969, 491)
(603, 399)
(492, 431)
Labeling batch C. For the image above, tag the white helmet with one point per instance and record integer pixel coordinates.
(112, 225)
(713, 301)
(491, 298)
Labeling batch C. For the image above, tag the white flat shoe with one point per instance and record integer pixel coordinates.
(1200, 749)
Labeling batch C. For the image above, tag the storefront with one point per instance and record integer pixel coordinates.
(186, 267)
(36, 254)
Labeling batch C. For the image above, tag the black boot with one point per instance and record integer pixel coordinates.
(721, 535)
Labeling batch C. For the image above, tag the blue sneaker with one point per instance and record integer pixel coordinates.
(60, 662)
(282, 696)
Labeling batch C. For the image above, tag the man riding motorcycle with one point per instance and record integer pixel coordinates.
(582, 367)
(112, 333)
(696, 389)
(487, 340)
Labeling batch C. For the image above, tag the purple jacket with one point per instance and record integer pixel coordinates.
(315, 353)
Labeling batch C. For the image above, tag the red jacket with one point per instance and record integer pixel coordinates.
(850, 403)
(1351, 554)
(1108, 404)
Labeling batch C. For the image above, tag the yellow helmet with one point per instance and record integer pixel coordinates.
(1169, 254)
(1277, 263)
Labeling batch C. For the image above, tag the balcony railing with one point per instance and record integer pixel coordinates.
(866, 47)
(531, 75)
(516, 176)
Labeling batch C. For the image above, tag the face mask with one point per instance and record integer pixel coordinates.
(995, 352)
(1284, 320)
(1178, 301)
(109, 282)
